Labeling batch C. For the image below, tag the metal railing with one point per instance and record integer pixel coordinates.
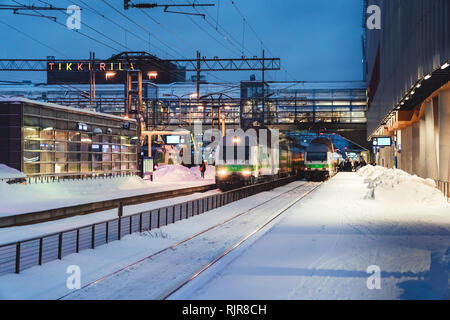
(52, 177)
(444, 187)
(21, 255)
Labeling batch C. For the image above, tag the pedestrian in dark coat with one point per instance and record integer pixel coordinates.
(203, 169)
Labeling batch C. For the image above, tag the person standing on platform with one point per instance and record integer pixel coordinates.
(203, 169)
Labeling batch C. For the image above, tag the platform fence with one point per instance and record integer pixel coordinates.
(20, 255)
(443, 186)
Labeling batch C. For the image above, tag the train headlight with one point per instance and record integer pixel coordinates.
(246, 172)
(222, 172)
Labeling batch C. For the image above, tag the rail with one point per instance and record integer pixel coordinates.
(20, 255)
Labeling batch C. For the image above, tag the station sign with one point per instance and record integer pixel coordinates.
(382, 141)
(112, 71)
(147, 168)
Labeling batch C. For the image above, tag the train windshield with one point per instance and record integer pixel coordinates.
(236, 151)
(316, 156)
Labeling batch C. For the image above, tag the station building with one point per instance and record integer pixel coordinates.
(408, 75)
(45, 139)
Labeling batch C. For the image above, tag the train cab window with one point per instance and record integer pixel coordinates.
(316, 156)
(237, 149)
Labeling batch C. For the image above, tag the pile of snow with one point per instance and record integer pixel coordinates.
(398, 186)
(10, 173)
(176, 172)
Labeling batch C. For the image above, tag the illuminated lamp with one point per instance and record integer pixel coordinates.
(445, 66)
(152, 75)
(428, 76)
(109, 75)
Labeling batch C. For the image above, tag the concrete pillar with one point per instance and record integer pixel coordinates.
(406, 153)
(444, 136)
(422, 167)
(430, 132)
(415, 152)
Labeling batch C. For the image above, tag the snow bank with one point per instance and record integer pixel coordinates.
(21, 198)
(399, 187)
(178, 172)
(10, 173)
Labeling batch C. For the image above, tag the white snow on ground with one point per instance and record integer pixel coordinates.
(49, 280)
(181, 173)
(21, 198)
(396, 186)
(322, 247)
(10, 173)
(318, 249)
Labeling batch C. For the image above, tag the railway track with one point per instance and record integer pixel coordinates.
(219, 230)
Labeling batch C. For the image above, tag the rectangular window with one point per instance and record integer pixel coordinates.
(316, 156)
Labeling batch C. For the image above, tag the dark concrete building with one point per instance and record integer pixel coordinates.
(408, 73)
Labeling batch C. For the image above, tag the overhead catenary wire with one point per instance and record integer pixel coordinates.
(141, 27)
(75, 30)
(256, 34)
(229, 36)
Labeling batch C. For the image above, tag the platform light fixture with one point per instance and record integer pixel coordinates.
(152, 75)
(428, 76)
(109, 75)
(445, 66)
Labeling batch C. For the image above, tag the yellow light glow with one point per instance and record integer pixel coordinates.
(235, 139)
(109, 75)
(222, 172)
(152, 75)
(246, 172)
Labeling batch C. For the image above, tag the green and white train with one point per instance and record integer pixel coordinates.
(245, 160)
(320, 163)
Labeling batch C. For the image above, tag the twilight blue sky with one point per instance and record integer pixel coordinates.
(315, 39)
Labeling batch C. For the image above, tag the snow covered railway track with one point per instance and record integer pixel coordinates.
(25, 253)
(162, 273)
(241, 241)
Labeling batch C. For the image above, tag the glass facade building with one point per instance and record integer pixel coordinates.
(42, 139)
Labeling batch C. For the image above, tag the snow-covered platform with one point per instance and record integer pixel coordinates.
(50, 200)
(323, 247)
